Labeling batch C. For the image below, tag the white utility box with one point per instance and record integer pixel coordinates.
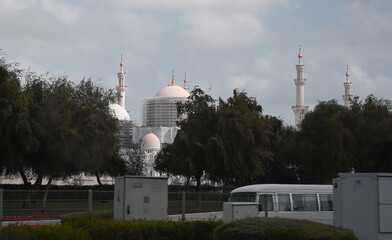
(362, 202)
(239, 210)
(138, 197)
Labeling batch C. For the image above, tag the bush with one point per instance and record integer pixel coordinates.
(101, 226)
(58, 232)
(80, 219)
(280, 228)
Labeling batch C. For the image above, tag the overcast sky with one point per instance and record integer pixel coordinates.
(251, 45)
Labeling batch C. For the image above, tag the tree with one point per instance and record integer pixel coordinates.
(98, 143)
(371, 124)
(186, 156)
(18, 122)
(282, 169)
(240, 149)
(54, 128)
(323, 146)
(134, 160)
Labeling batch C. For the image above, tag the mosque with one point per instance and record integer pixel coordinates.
(160, 116)
(159, 119)
(160, 113)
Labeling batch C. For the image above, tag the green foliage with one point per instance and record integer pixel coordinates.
(240, 149)
(58, 232)
(99, 227)
(54, 128)
(280, 228)
(323, 146)
(336, 139)
(186, 156)
(230, 142)
(80, 218)
(371, 124)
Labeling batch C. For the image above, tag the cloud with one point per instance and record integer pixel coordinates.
(222, 6)
(62, 11)
(12, 7)
(141, 31)
(207, 30)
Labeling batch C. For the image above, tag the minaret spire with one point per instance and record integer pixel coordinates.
(300, 56)
(300, 109)
(347, 97)
(121, 88)
(186, 83)
(173, 81)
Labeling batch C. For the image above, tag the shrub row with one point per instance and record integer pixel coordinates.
(58, 232)
(280, 228)
(94, 226)
(100, 227)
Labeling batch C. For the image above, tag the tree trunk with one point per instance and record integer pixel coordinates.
(26, 183)
(99, 181)
(45, 197)
(38, 182)
(187, 183)
(198, 189)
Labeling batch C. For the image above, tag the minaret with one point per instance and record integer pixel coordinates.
(347, 97)
(186, 83)
(121, 88)
(173, 81)
(300, 109)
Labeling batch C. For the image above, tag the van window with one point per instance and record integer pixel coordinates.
(326, 202)
(262, 202)
(284, 202)
(242, 197)
(304, 202)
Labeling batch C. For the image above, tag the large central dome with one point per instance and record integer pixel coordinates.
(172, 90)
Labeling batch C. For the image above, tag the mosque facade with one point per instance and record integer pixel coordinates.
(160, 113)
(159, 119)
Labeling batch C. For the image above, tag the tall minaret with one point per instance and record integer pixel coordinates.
(186, 83)
(347, 97)
(300, 109)
(121, 88)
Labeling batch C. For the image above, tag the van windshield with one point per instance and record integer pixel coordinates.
(242, 197)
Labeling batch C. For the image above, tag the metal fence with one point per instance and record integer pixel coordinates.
(59, 202)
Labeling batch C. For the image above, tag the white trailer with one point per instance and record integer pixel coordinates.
(363, 203)
(137, 197)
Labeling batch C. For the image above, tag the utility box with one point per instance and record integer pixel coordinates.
(239, 210)
(138, 197)
(363, 203)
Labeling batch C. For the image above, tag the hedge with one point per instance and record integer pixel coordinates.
(100, 226)
(49, 232)
(97, 226)
(280, 228)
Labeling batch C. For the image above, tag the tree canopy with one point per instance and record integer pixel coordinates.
(228, 142)
(54, 128)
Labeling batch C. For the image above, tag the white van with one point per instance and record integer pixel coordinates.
(311, 202)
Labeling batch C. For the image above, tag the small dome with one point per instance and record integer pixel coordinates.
(119, 112)
(150, 142)
(172, 90)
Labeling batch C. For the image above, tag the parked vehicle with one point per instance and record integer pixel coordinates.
(311, 202)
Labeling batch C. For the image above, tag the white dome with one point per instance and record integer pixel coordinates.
(172, 90)
(119, 112)
(150, 142)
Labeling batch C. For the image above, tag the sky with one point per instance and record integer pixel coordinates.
(251, 45)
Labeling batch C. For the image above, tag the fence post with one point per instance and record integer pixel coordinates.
(183, 206)
(90, 200)
(265, 206)
(1, 208)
